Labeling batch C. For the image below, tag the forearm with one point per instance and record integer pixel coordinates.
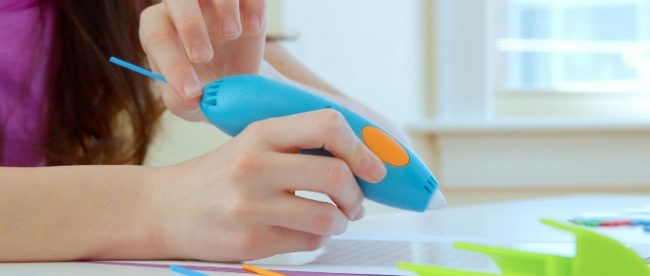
(287, 66)
(71, 213)
(283, 66)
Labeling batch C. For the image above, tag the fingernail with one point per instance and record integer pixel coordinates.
(339, 226)
(230, 29)
(201, 53)
(376, 170)
(192, 87)
(360, 213)
(324, 240)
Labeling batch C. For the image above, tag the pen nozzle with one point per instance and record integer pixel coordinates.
(437, 201)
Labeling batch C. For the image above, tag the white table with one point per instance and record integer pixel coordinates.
(513, 221)
(509, 221)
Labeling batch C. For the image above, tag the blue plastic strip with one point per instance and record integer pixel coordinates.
(138, 69)
(185, 271)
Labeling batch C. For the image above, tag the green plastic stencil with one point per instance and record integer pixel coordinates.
(596, 255)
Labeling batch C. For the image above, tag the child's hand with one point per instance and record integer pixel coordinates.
(237, 203)
(193, 42)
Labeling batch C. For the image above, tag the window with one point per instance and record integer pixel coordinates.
(503, 59)
(573, 45)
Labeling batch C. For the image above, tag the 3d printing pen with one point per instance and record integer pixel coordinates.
(234, 102)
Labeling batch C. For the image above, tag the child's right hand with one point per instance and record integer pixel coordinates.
(238, 202)
(193, 42)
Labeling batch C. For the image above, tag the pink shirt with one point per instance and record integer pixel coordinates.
(26, 31)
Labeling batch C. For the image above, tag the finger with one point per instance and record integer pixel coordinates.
(253, 16)
(327, 175)
(282, 240)
(152, 65)
(306, 215)
(183, 108)
(188, 21)
(228, 19)
(327, 129)
(187, 109)
(157, 87)
(162, 45)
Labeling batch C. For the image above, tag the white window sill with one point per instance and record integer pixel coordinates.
(530, 125)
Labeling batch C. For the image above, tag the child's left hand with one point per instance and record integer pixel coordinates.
(193, 42)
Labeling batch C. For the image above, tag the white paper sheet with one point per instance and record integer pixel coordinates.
(377, 254)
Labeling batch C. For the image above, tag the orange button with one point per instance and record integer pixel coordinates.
(384, 146)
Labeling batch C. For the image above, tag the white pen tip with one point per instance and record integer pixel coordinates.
(437, 201)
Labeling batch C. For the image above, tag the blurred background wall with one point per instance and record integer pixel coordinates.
(504, 98)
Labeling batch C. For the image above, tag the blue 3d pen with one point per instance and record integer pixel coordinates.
(234, 102)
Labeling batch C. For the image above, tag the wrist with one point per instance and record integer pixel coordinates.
(154, 192)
